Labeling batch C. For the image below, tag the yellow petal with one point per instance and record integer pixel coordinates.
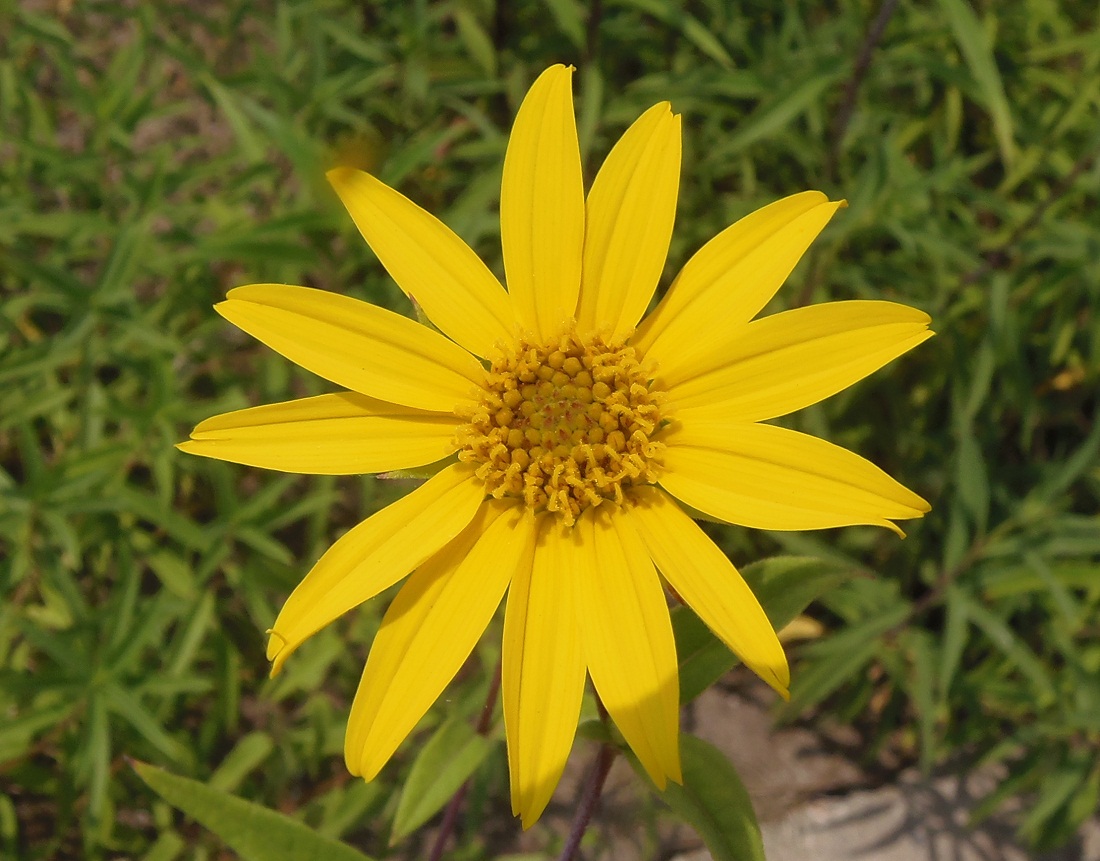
(732, 277)
(428, 261)
(767, 477)
(356, 344)
(544, 672)
(709, 584)
(627, 638)
(339, 434)
(628, 223)
(430, 629)
(782, 363)
(542, 206)
(375, 555)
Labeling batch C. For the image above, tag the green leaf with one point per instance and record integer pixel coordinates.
(248, 754)
(714, 801)
(477, 41)
(249, 139)
(168, 847)
(954, 638)
(126, 705)
(784, 585)
(253, 832)
(1055, 792)
(972, 482)
(1013, 648)
(840, 657)
(1070, 470)
(772, 117)
(569, 16)
(17, 734)
(690, 28)
(978, 53)
(451, 755)
(922, 656)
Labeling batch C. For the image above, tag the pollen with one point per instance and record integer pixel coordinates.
(565, 425)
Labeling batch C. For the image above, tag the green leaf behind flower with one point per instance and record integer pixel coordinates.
(252, 831)
(714, 801)
(443, 764)
(784, 585)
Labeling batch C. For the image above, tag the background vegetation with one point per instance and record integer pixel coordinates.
(154, 155)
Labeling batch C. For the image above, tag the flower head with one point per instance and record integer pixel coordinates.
(568, 433)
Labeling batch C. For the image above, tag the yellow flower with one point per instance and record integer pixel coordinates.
(571, 431)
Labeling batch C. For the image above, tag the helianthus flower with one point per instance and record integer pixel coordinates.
(569, 435)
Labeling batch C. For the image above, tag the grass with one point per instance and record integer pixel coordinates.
(154, 156)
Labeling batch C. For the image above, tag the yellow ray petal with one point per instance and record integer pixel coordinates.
(542, 206)
(544, 672)
(430, 629)
(709, 584)
(782, 363)
(375, 555)
(356, 344)
(732, 277)
(339, 434)
(428, 261)
(627, 637)
(767, 477)
(628, 223)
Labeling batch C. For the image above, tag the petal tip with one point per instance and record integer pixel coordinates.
(351, 761)
(370, 765)
(780, 680)
(341, 174)
(276, 646)
(558, 70)
(194, 447)
(243, 293)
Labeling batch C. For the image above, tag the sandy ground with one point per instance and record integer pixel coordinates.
(813, 802)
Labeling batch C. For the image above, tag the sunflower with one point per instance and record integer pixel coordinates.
(566, 436)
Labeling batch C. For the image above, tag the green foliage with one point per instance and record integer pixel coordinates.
(714, 802)
(785, 586)
(152, 156)
(253, 832)
(446, 761)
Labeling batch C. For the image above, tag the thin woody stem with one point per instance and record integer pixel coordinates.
(590, 797)
(450, 816)
(859, 72)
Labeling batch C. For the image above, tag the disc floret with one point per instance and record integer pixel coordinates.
(565, 424)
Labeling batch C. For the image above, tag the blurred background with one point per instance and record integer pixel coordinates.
(155, 155)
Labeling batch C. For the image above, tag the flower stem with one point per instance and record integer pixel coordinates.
(863, 62)
(590, 798)
(450, 816)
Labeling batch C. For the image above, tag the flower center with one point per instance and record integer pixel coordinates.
(565, 425)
